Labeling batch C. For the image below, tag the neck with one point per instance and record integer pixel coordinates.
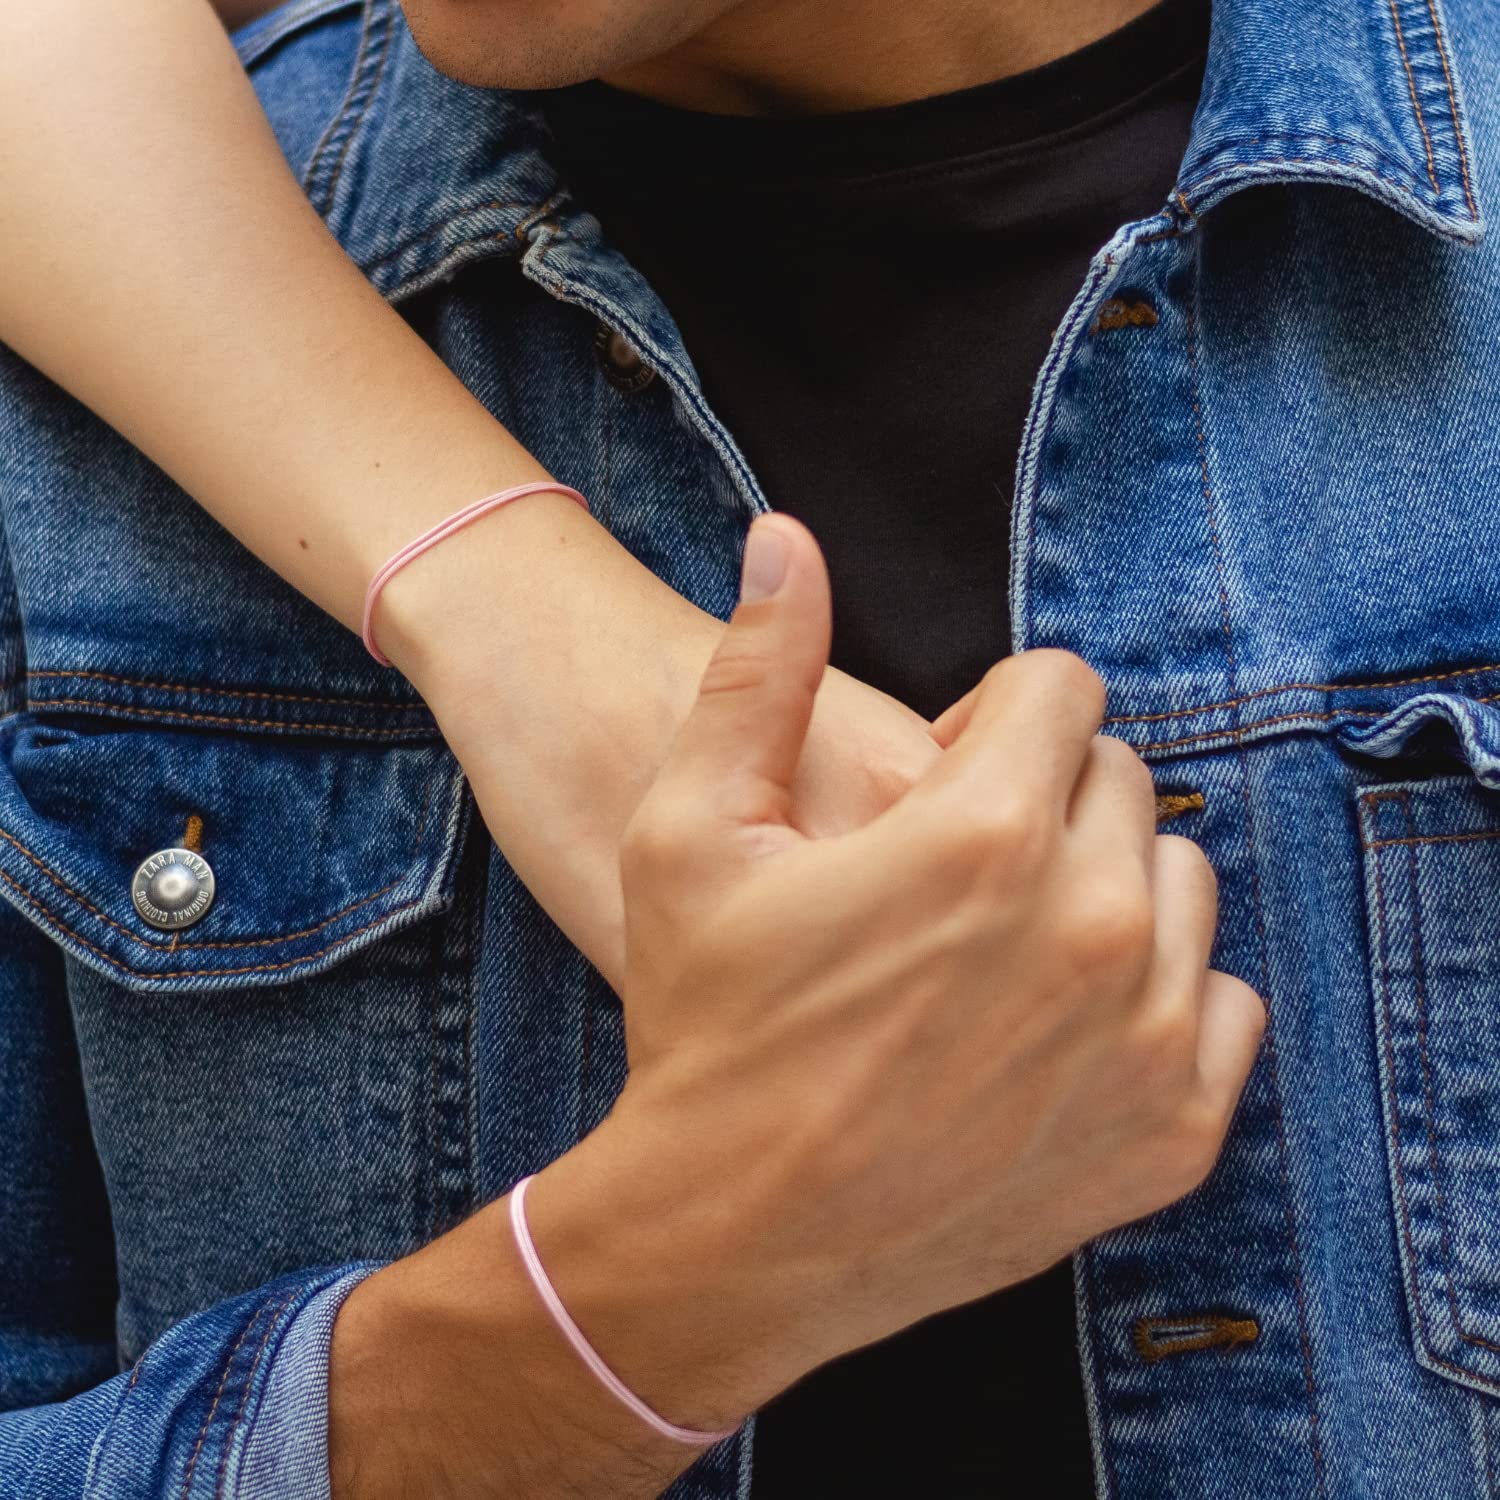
(794, 57)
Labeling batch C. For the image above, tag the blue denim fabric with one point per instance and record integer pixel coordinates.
(1266, 520)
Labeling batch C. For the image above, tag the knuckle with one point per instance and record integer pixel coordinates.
(1004, 835)
(656, 839)
(1162, 1043)
(1112, 922)
(735, 670)
(1072, 672)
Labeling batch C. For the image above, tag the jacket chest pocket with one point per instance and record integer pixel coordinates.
(1432, 885)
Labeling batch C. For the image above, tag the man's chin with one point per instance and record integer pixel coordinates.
(546, 44)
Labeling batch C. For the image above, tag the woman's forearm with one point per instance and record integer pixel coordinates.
(159, 261)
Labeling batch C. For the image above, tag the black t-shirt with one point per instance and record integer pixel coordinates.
(868, 298)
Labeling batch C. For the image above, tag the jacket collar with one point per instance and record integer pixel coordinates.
(1364, 93)
(419, 175)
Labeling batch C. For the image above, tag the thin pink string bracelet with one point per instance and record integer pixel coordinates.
(585, 1350)
(441, 532)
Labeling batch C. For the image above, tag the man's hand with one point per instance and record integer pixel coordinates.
(872, 1076)
(898, 1069)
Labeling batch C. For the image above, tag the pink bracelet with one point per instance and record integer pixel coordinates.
(431, 537)
(586, 1351)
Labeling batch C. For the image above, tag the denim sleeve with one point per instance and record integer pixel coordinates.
(230, 1404)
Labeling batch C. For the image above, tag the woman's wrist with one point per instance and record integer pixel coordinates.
(482, 596)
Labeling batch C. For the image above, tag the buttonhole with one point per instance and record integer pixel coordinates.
(1157, 1339)
(192, 836)
(1171, 805)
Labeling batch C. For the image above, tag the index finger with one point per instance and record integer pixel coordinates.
(1028, 725)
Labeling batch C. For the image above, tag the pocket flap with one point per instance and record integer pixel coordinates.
(1472, 722)
(317, 848)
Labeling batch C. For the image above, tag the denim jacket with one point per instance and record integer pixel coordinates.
(1268, 518)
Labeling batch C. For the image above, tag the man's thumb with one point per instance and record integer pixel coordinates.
(742, 741)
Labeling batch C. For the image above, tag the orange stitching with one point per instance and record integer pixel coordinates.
(115, 963)
(1419, 973)
(1413, 1291)
(1258, 908)
(1193, 1333)
(206, 691)
(1416, 103)
(1312, 687)
(1238, 732)
(218, 1396)
(192, 835)
(1458, 135)
(266, 942)
(1435, 838)
(197, 718)
(245, 1394)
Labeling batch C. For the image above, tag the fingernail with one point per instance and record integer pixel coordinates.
(764, 568)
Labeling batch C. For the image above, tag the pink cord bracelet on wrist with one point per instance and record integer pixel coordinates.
(585, 1350)
(441, 532)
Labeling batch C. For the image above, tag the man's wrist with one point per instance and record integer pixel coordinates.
(656, 1270)
(449, 1376)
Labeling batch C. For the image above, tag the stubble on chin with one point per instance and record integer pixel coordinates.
(545, 44)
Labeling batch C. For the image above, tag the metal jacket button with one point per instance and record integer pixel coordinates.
(173, 888)
(624, 367)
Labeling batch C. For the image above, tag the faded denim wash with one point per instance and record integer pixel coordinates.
(1269, 520)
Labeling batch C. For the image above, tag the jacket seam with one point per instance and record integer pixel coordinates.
(192, 717)
(1310, 687)
(207, 690)
(1213, 179)
(351, 112)
(253, 49)
(1411, 1268)
(239, 1414)
(315, 161)
(493, 205)
(263, 942)
(1403, 168)
(54, 920)
(1237, 732)
(1416, 103)
(1419, 974)
(187, 1478)
(374, 89)
(1458, 132)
